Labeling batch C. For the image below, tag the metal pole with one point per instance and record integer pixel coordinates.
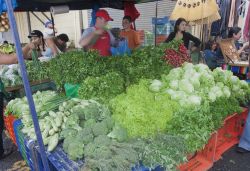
(156, 16)
(81, 20)
(53, 23)
(45, 16)
(26, 83)
(38, 18)
(28, 19)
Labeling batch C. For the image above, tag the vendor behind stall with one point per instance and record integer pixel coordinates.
(235, 33)
(129, 34)
(181, 34)
(98, 37)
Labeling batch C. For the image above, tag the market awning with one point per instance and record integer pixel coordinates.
(44, 5)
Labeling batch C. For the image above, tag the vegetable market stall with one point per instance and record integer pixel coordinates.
(141, 104)
(148, 97)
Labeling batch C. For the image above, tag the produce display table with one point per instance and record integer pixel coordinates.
(220, 141)
(41, 85)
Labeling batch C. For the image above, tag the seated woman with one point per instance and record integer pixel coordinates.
(210, 54)
(235, 34)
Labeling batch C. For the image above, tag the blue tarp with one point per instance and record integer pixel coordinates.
(3, 7)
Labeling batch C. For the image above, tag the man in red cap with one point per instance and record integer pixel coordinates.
(98, 37)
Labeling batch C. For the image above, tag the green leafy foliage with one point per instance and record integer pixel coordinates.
(103, 88)
(97, 73)
(163, 150)
(142, 112)
(7, 48)
(107, 155)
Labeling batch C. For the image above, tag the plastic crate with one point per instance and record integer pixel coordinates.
(25, 146)
(242, 121)
(228, 134)
(8, 122)
(59, 161)
(203, 160)
(42, 85)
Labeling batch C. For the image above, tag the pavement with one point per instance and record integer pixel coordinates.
(7, 163)
(233, 161)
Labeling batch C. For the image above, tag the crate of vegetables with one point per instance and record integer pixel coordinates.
(25, 145)
(228, 134)
(58, 160)
(203, 159)
(242, 121)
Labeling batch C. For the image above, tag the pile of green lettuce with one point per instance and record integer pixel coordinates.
(190, 102)
(142, 112)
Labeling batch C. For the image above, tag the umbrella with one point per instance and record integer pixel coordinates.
(195, 10)
(209, 19)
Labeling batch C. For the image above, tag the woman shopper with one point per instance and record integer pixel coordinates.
(181, 34)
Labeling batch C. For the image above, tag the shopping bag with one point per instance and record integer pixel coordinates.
(71, 90)
(121, 49)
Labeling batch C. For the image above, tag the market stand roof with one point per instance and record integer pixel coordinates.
(44, 5)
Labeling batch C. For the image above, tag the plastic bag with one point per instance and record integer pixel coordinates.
(71, 90)
(121, 49)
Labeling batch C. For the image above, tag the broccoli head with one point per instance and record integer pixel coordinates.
(91, 111)
(100, 128)
(119, 133)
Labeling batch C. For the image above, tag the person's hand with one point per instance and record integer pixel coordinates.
(193, 49)
(245, 45)
(31, 45)
(98, 32)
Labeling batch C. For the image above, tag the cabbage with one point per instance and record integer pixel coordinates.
(201, 68)
(188, 66)
(155, 86)
(211, 96)
(194, 100)
(186, 86)
(226, 92)
(178, 95)
(195, 81)
(174, 84)
(174, 74)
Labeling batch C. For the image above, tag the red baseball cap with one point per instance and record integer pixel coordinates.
(104, 14)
